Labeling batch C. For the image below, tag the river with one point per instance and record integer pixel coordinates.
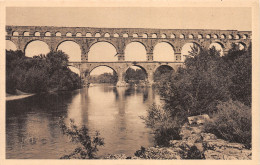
(32, 130)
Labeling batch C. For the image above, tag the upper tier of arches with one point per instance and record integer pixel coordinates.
(125, 33)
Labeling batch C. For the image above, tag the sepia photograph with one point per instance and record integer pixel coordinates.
(139, 83)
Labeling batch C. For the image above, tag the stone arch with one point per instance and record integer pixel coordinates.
(134, 42)
(47, 34)
(78, 34)
(200, 36)
(97, 34)
(104, 40)
(125, 35)
(135, 35)
(230, 36)
(237, 37)
(107, 35)
(187, 47)
(116, 35)
(34, 40)
(223, 36)
(160, 70)
(69, 52)
(215, 36)
(58, 34)
(208, 36)
(88, 34)
(37, 34)
(69, 34)
(182, 36)
(139, 66)
(10, 45)
(92, 68)
(245, 36)
(219, 46)
(154, 35)
(145, 35)
(163, 35)
(173, 36)
(242, 45)
(26, 33)
(168, 58)
(191, 36)
(15, 33)
(108, 48)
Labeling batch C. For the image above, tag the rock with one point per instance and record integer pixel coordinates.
(116, 156)
(158, 153)
(198, 120)
(208, 136)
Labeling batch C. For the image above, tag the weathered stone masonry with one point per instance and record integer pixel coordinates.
(85, 37)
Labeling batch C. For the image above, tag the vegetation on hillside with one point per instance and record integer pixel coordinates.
(41, 73)
(208, 84)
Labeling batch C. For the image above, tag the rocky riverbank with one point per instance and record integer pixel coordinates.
(195, 144)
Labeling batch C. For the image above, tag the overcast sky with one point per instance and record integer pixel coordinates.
(172, 18)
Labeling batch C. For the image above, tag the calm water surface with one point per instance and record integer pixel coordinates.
(32, 129)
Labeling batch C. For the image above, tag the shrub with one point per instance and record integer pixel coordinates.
(232, 122)
(163, 125)
(89, 146)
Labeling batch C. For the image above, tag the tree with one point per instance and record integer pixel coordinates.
(89, 146)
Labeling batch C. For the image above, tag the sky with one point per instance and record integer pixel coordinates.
(230, 18)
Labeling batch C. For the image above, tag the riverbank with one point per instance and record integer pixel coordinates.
(195, 144)
(18, 95)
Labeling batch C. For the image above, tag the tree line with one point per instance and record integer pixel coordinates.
(39, 74)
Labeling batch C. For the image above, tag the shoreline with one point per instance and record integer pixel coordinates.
(16, 97)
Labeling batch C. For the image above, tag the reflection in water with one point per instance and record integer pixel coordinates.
(32, 129)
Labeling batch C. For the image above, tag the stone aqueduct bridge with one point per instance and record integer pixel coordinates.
(85, 37)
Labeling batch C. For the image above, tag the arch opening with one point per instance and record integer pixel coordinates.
(163, 52)
(219, 47)
(189, 49)
(74, 69)
(47, 34)
(135, 75)
(10, 45)
(241, 45)
(58, 34)
(135, 51)
(37, 34)
(162, 72)
(35, 48)
(72, 49)
(26, 34)
(102, 52)
(78, 34)
(102, 74)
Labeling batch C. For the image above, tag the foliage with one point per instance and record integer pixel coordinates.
(104, 78)
(164, 127)
(89, 146)
(198, 87)
(162, 72)
(40, 73)
(135, 75)
(232, 122)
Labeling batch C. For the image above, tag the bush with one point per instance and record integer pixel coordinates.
(232, 122)
(162, 123)
(89, 146)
